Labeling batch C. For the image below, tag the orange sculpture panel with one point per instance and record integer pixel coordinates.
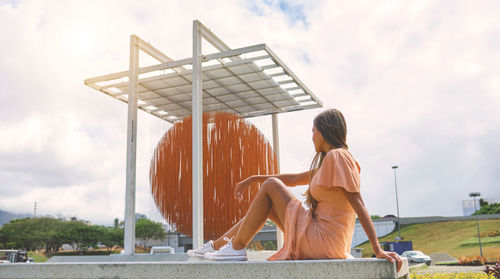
(233, 149)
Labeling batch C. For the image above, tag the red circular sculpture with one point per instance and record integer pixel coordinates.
(233, 149)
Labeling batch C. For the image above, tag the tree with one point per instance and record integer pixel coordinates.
(21, 234)
(112, 237)
(270, 223)
(43, 232)
(149, 230)
(3, 239)
(482, 203)
(83, 235)
(51, 233)
(66, 233)
(493, 208)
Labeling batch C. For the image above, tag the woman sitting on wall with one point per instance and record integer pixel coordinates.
(325, 230)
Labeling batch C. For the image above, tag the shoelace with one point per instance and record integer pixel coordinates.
(229, 242)
(204, 247)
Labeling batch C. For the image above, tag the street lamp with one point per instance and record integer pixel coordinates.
(397, 203)
(474, 195)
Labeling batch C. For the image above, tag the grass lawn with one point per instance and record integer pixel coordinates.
(39, 258)
(444, 237)
(473, 241)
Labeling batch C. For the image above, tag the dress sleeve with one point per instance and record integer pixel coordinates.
(339, 170)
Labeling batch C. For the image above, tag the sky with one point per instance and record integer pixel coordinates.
(417, 81)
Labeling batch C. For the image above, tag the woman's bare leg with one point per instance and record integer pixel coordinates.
(234, 229)
(229, 234)
(273, 196)
(273, 217)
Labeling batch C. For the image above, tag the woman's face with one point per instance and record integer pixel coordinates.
(318, 140)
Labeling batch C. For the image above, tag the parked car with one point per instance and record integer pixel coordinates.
(13, 256)
(415, 256)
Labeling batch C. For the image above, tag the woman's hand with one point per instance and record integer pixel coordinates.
(391, 257)
(364, 218)
(242, 185)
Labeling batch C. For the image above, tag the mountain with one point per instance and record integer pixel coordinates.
(5, 216)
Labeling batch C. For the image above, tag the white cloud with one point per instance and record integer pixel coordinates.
(417, 81)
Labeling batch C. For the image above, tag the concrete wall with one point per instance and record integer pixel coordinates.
(356, 268)
(172, 239)
(382, 228)
(433, 219)
(387, 225)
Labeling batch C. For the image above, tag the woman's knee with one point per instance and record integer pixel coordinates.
(271, 183)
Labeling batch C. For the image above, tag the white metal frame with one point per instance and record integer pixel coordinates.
(107, 82)
(129, 232)
(197, 111)
(295, 90)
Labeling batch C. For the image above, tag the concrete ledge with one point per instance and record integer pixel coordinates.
(176, 257)
(352, 269)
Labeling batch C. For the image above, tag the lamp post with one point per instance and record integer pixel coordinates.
(474, 195)
(397, 203)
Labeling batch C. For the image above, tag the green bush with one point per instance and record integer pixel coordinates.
(461, 275)
(263, 245)
(81, 253)
(487, 209)
(474, 241)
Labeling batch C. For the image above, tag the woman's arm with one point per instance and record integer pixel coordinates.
(290, 179)
(364, 218)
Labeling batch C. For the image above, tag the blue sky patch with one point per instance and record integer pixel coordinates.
(254, 8)
(304, 57)
(14, 3)
(294, 11)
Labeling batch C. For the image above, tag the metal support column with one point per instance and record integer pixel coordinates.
(398, 238)
(129, 241)
(197, 113)
(276, 147)
(477, 194)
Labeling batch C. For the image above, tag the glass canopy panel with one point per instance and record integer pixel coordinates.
(249, 82)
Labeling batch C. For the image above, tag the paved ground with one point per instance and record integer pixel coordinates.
(442, 257)
(445, 269)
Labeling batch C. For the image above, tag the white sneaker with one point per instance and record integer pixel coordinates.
(227, 253)
(200, 252)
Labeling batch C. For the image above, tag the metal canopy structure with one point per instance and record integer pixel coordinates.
(249, 81)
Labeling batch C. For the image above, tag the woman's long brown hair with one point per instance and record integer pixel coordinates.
(331, 124)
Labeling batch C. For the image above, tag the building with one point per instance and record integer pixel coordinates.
(140, 216)
(468, 205)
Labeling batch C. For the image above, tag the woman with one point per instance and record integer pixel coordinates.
(325, 230)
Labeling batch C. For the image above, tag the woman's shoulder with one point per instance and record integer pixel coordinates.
(339, 169)
(339, 152)
(343, 155)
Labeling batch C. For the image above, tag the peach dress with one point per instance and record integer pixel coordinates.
(329, 235)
